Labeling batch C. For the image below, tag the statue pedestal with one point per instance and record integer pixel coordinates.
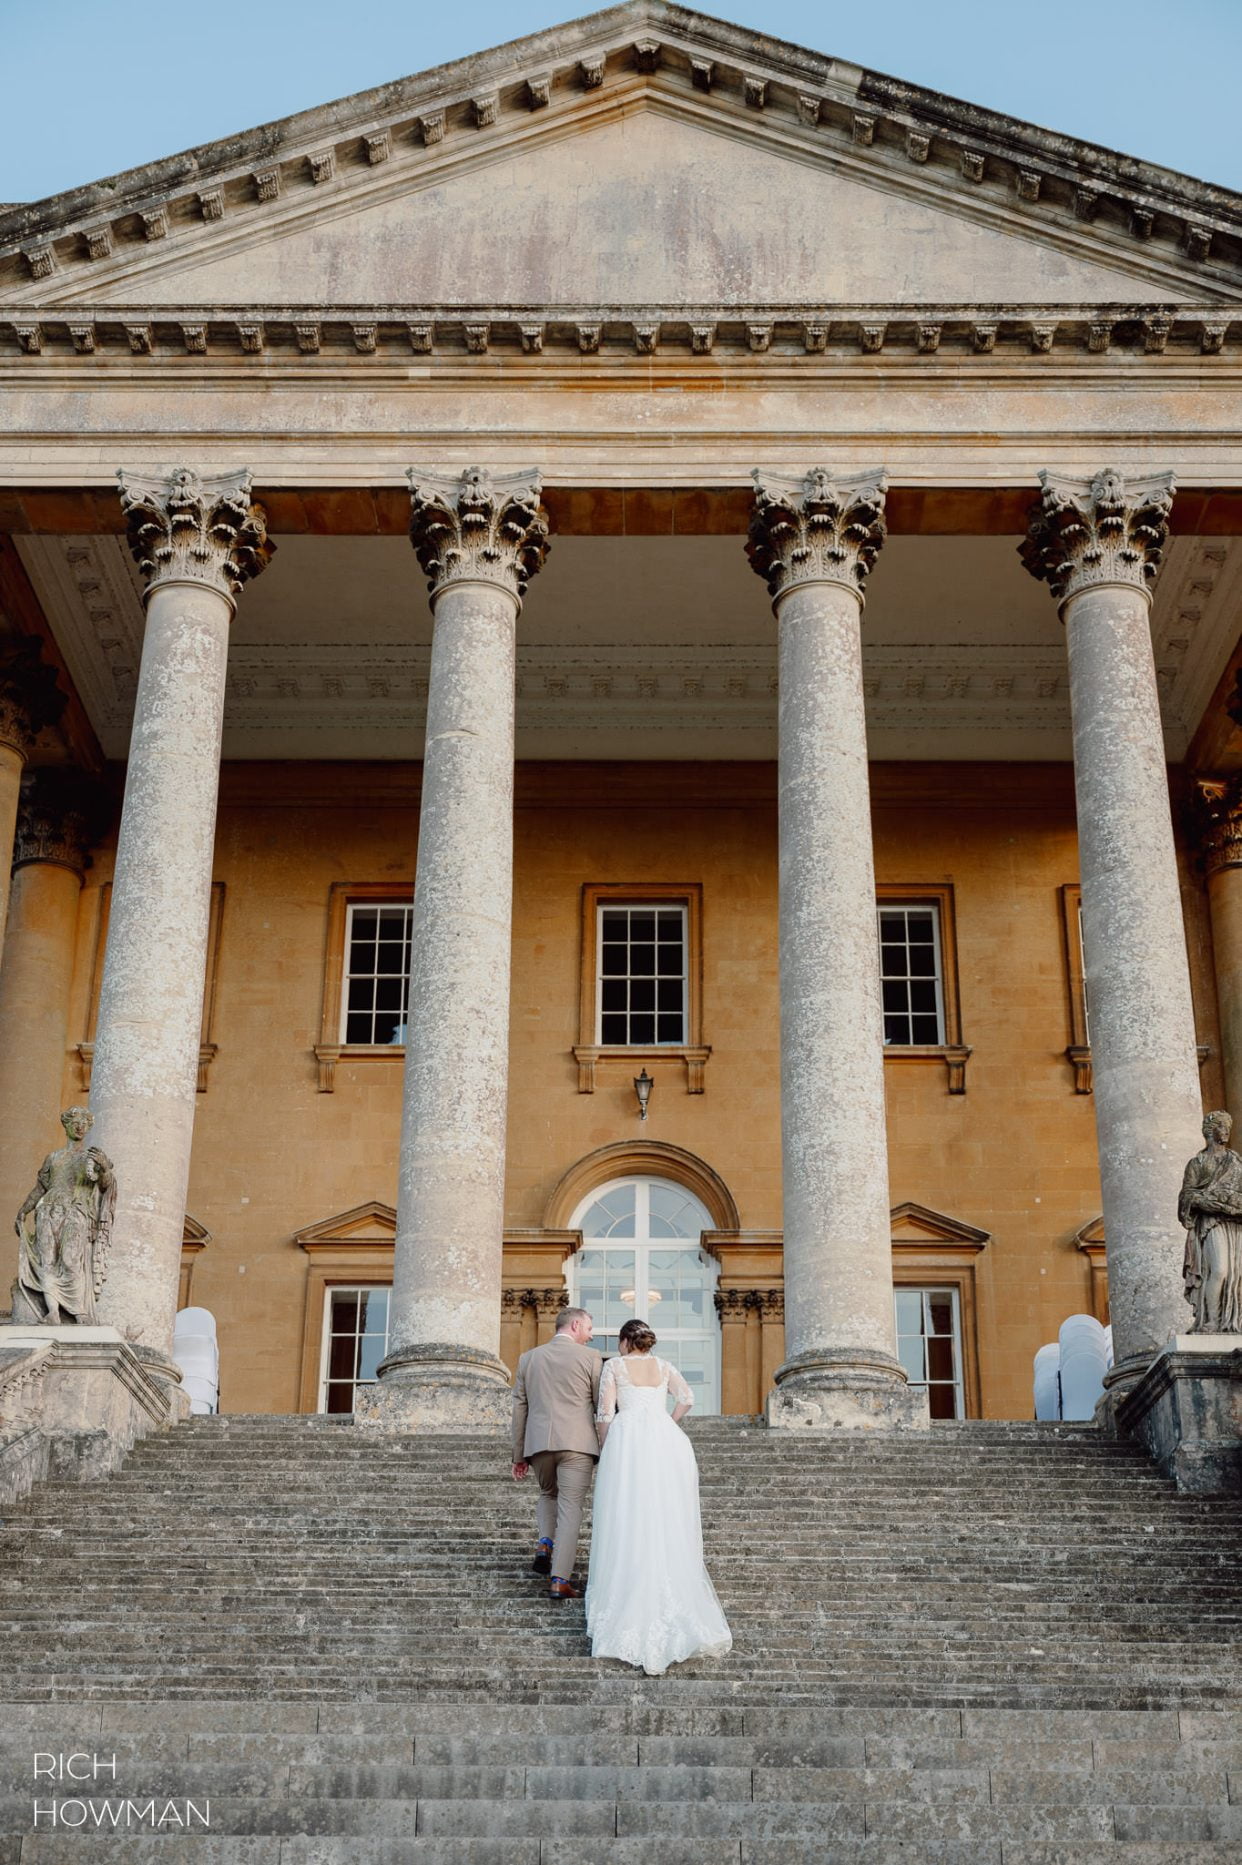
(1186, 1410)
(73, 1402)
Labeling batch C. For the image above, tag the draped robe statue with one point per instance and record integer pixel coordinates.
(1211, 1209)
(64, 1229)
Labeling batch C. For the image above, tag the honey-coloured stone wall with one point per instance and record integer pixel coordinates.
(1012, 1156)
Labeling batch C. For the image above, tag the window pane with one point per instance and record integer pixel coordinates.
(908, 1304)
(371, 1352)
(940, 1311)
(342, 1356)
(910, 969)
(910, 1353)
(940, 1357)
(942, 1401)
(344, 1311)
(637, 946)
(378, 961)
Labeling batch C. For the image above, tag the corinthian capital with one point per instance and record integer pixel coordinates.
(61, 812)
(186, 529)
(816, 529)
(1218, 808)
(1103, 530)
(478, 528)
(29, 696)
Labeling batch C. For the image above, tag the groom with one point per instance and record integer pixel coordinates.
(554, 1398)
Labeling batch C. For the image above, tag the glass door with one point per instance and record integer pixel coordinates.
(641, 1259)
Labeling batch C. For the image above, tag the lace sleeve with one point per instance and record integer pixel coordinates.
(606, 1410)
(681, 1392)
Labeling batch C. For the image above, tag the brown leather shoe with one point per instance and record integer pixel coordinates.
(564, 1589)
(542, 1563)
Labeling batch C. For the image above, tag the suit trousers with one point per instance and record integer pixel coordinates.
(564, 1479)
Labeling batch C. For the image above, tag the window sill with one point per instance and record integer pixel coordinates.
(329, 1054)
(955, 1056)
(588, 1056)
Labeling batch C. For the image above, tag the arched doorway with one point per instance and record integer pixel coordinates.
(641, 1256)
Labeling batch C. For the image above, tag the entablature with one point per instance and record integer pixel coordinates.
(614, 336)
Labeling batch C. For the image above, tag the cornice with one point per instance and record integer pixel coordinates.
(1110, 208)
(312, 336)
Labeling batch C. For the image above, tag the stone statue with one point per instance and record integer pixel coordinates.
(64, 1229)
(1211, 1209)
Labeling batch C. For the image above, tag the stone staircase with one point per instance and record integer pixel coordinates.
(1012, 1643)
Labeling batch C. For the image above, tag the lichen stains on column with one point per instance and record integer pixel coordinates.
(479, 540)
(196, 541)
(1098, 543)
(814, 542)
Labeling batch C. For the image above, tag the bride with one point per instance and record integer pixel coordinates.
(649, 1599)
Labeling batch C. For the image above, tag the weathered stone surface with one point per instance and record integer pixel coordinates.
(1098, 543)
(85, 1392)
(1187, 1410)
(479, 541)
(195, 542)
(813, 541)
(64, 1229)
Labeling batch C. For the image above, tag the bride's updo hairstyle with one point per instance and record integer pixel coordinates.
(638, 1337)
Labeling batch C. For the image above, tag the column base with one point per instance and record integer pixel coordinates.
(75, 1401)
(836, 1390)
(1185, 1409)
(437, 1388)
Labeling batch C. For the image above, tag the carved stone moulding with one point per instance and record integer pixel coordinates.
(1217, 809)
(60, 814)
(184, 527)
(1103, 530)
(478, 527)
(873, 121)
(30, 699)
(780, 333)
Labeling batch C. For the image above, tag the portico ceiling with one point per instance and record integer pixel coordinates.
(638, 647)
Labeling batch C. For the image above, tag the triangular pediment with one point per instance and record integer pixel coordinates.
(366, 1224)
(645, 155)
(914, 1225)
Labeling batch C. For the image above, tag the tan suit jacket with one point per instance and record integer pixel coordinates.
(554, 1398)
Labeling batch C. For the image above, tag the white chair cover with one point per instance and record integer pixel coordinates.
(1084, 1362)
(197, 1354)
(1048, 1382)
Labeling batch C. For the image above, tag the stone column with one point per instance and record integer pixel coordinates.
(479, 540)
(57, 820)
(1220, 813)
(29, 700)
(814, 541)
(1098, 543)
(196, 541)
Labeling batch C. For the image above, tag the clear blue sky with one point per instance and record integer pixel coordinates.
(92, 86)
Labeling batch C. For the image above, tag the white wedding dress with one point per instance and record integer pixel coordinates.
(649, 1598)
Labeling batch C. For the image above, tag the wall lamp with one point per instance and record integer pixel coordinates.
(643, 1085)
